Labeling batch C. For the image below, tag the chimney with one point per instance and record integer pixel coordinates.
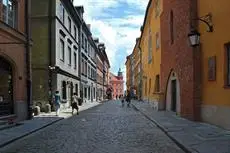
(89, 26)
(96, 41)
(142, 28)
(80, 10)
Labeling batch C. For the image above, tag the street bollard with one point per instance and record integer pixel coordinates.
(48, 108)
(37, 110)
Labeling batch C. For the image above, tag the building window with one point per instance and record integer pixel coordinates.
(171, 27)
(76, 89)
(150, 49)
(157, 40)
(227, 46)
(94, 92)
(157, 83)
(146, 87)
(86, 45)
(63, 90)
(82, 39)
(9, 12)
(228, 64)
(70, 57)
(75, 32)
(85, 92)
(82, 66)
(62, 49)
(89, 95)
(75, 60)
(212, 68)
(85, 68)
(70, 24)
(89, 75)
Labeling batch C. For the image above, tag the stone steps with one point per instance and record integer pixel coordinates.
(5, 125)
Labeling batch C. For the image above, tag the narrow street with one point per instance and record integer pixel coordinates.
(107, 128)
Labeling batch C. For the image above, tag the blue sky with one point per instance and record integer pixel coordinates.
(116, 23)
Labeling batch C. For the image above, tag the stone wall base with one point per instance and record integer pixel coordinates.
(21, 110)
(217, 115)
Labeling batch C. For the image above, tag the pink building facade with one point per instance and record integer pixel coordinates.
(117, 84)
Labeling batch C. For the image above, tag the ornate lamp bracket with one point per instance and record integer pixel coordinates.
(207, 19)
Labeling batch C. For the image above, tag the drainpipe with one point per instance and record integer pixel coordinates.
(50, 81)
(28, 59)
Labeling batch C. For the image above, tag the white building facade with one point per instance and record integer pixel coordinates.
(88, 65)
(67, 51)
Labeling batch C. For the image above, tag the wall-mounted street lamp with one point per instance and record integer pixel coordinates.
(194, 35)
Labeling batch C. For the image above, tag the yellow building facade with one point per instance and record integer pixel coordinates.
(150, 46)
(128, 72)
(215, 48)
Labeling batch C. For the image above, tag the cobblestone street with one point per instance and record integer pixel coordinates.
(108, 128)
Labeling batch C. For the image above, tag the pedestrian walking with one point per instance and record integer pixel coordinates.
(74, 104)
(57, 102)
(122, 101)
(128, 98)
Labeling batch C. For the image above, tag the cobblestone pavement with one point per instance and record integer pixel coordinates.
(108, 128)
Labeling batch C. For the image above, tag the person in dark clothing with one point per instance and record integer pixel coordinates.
(75, 103)
(128, 98)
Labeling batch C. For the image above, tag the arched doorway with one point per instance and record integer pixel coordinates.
(6, 88)
(173, 93)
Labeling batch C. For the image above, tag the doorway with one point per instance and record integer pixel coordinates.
(6, 88)
(174, 95)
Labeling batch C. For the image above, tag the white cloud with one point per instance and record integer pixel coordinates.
(116, 33)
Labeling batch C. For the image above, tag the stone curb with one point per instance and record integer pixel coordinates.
(24, 135)
(182, 146)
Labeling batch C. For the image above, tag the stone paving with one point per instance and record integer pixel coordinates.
(193, 136)
(107, 128)
(38, 122)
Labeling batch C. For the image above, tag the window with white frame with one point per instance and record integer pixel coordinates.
(75, 32)
(82, 39)
(70, 24)
(75, 60)
(89, 71)
(70, 53)
(9, 12)
(86, 44)
(62, 50)
(85, 72)
(82, 65)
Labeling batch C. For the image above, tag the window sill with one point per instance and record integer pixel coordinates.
(226, 86)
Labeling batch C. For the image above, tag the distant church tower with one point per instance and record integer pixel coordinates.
(119, 74)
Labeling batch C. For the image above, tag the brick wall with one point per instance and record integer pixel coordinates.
(179, 56)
